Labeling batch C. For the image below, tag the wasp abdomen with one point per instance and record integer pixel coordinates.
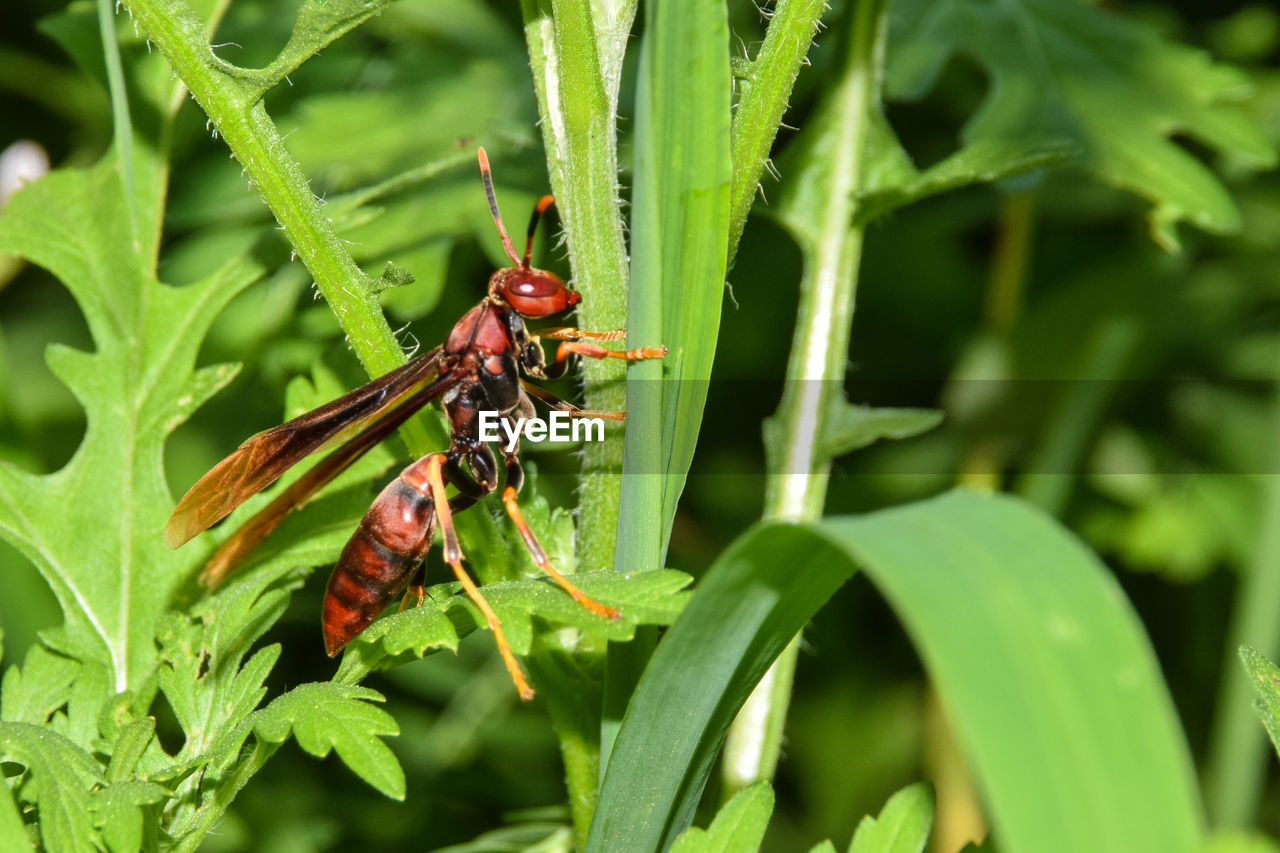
(379, 560)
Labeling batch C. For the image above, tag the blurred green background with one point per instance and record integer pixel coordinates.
(1160, 367)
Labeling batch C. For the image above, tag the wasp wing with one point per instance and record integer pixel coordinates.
(262, 459)
(252, 532)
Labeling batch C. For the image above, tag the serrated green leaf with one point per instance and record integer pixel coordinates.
(393, 275)
(892, 181)
(201, 654)
(1266, 680)
(902, 826)
(644, 598)
(118, 811)
(62, 779)
(318, 24)
(737, 828)
(333, 716)
(32, 692)
(129, 747)
(1111, 86)
(136, 387)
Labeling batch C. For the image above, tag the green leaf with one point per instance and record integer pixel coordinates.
(202, 652)
(738, 827)
(334, 716)
(136, 387)
(33, 692)
(1239, 842)
(1112, 87)
(129, 747)
(755, 598)
(1033, 649)
(118, 809)
(13, 835)
(891, 180)
(1266, 680)
(645, 598)
(849, 427)
(679, 232)
(903, 825)
(61, 780)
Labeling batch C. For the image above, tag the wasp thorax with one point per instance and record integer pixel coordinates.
(532, 292)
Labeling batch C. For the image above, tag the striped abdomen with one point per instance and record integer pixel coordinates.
(379, 560)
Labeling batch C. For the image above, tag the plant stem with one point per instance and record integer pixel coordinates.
(122, 124)
(1237, 761)
(576, 61)
(1009, 261)
(797, 481)
(763, 100)
(577, 103)
(237, 112)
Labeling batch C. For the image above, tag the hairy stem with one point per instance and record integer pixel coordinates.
(797, 480)
(763, 94)
(577, 103)
(235, 109)
(576, 60)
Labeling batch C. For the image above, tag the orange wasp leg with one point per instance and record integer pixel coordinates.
(568, 333)
(453, 556)
(416, 589)
(540, 557)
(569, 348)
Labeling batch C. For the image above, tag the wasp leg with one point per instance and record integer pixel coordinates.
(417, 588)
(565, 406)
(569, 348)
(515, 479)
(453, 556)
(568, 333)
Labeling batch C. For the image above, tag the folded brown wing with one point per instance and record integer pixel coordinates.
(262, 459)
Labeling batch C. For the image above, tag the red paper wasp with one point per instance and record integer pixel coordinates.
(477, 369)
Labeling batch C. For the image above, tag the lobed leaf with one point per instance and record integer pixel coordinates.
(902, 827)
(737, 828)
(136, 387)
(1110, 86)
(1266, 680)
(644, 598)
(328, 716)
(60, 778)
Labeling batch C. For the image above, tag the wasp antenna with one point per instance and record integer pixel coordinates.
(538, 209)
(487, 177)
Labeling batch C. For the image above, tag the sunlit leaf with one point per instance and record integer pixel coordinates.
(1111, 86)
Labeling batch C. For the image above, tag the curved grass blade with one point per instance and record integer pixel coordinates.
(1045, 671)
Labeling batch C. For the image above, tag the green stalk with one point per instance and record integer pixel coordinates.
(576, 61)
(232, 100)
(570, 53)
(122, 124)
(763, 93)
(797, 479)
(1237, 761)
